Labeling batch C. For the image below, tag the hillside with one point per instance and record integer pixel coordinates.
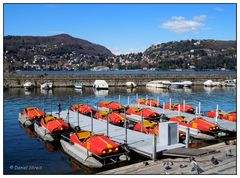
(63, 52)
(51, 49)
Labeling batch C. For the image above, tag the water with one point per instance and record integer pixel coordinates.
(25, 153)
(109, 72)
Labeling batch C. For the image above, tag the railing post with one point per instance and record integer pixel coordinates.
(184, 106)
(163, 107)
(216, 119)
(119, 98)
(142, 120)
(154, 155)
(196, 114)
(179, 110)
(78, 114)
(92, 122)
(51, 106)
(187, 137)
(137, 97)
(158, 99)
(170, 103)
(125, 125)
(199, 108)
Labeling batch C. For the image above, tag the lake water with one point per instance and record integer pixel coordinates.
(25, 153)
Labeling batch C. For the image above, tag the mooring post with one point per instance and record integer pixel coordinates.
(119, 98)
(163, 107)
(179, 110)
(92, 122)
(199, 108)
(196, 113)
(158, 99)
(125, 125)
(187, 137)
(69, 100)
(137, 97)
(128, 100)
(154, 155)
(184, 105)
(216, 119)
(170, 103)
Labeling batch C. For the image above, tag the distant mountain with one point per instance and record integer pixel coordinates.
(51, 45)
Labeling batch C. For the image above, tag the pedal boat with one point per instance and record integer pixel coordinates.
(198, 123)
(146, 113)
(186, 108)
(50, 128)
(113, 106)
(29, 115)
(114, 117)
(149, 102)
(150, 127)
(231, 116)
(89, 149)
(83, 109)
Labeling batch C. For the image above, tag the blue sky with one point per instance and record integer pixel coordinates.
(123, 28)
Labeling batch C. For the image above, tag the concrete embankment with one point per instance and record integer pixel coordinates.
(67, 80)
(223, 165)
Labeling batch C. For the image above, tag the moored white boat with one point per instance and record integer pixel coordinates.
(46, 86)
(210, 83)
(78, 85)
(131, 85)
(28, 85)
(177, 84)
(159, 84)
(187, 83)
(100, 84)
(229, 83)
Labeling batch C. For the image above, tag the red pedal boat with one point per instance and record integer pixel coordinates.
(33, 113)
(146, 113)
(149, 127)
(29, 115)
(174, 107)
(232, 116)
(199, 123)
(114, 106)
(149, 102)
(83, 109)
(98, 144)
(114, 118)
(54, 124)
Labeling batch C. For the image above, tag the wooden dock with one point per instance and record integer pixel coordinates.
(136, 141)
(223, 124)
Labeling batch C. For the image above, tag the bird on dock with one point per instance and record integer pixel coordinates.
(145, 163)
(229, 153)
(215, 161)
(195, 166)
(168, 165)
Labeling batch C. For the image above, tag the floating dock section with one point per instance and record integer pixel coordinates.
(144, 144)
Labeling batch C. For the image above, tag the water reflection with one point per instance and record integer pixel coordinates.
(131, 90)
(100, 93)
(27, 92)
(46, 92)
(157, 90)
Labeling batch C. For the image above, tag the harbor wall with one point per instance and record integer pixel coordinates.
(67, 80)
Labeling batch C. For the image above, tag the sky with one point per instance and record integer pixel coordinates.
(123, 28)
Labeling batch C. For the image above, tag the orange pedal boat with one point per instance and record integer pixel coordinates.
(114, 117)
(83, 109)
(113, 106)
(231, 116)
(146, 113)
(29, 115)
(198, 123)
(149, 102)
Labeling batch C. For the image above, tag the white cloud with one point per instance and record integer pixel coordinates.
(219, 9)
(179, 24)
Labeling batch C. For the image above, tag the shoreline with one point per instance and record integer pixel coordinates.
(13, 80)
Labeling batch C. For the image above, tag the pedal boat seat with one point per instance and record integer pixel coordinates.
(83, 136)
(49, 118)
